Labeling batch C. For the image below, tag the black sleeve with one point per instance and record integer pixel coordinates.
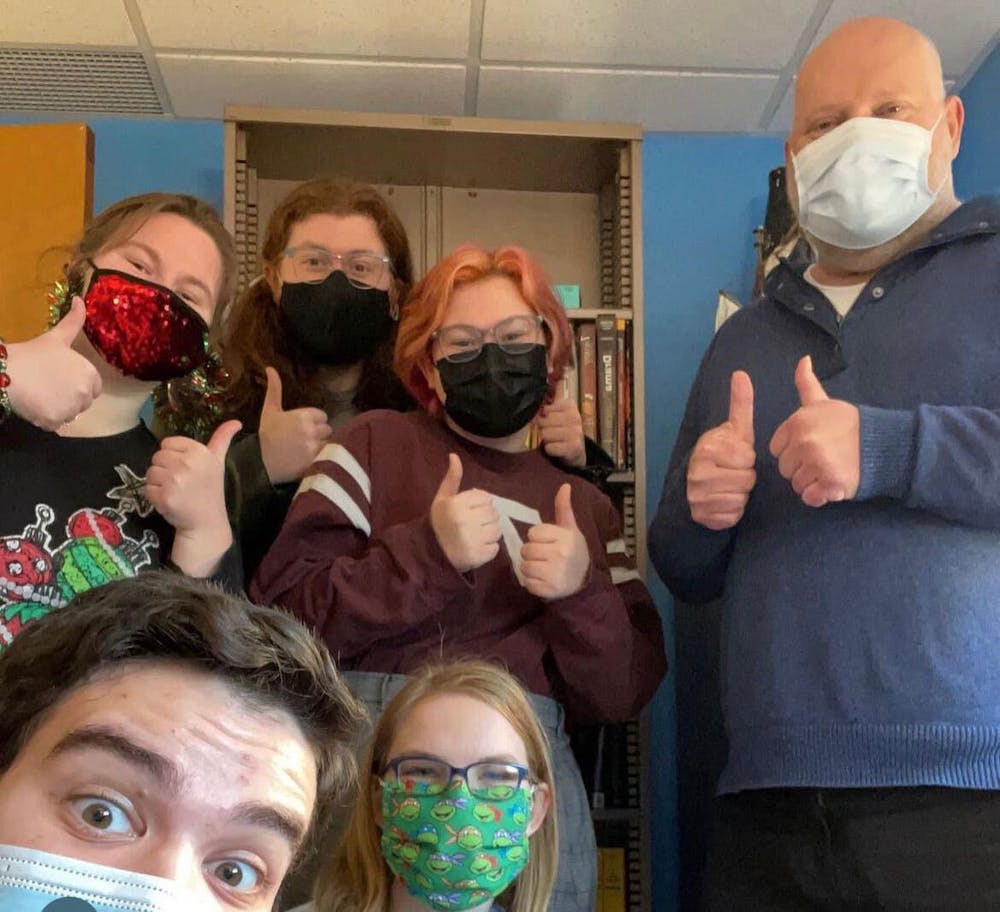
(256, 507)
(228, 575)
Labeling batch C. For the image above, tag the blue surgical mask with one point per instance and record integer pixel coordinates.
(865, 182)
(35, 881)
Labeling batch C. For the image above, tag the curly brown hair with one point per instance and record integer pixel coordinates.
(254, 338)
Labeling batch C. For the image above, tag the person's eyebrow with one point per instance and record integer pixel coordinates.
(191, 280)
(113, 741)
(184, 279)
(287, 825)
(145, 248)
(492, 758)
(503, 758)
(315, 245)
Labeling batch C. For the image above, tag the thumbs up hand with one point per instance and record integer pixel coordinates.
(561, 430)
(50, 383)
(555, 558)
(185, 483)
(466, 523)
(721, 472)
(289, 441)
(818, 447)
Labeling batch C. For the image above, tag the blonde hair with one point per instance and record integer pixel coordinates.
(357, 878)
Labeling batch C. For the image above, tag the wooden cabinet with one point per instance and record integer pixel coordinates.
(47, 198)
(570, 193)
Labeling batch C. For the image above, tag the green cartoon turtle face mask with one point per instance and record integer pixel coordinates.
(455, 848)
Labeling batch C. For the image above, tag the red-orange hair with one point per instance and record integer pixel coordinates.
(424, 312)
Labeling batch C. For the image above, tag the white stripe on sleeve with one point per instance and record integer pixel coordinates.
(335, 452)
(333, 492)
(621, 575)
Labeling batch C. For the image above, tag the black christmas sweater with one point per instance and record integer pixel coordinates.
(74, 515)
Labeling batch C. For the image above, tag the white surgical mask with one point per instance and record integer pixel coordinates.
(35, 881)
(865, 182)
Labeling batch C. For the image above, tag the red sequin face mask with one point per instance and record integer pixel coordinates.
(143, 329)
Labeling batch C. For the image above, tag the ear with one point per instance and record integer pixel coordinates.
(955, 116)
(541, 801)
(273, 281)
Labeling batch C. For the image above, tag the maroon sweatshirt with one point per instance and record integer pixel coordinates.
(357, 559)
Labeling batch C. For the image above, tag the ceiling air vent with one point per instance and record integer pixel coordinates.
(75, 81)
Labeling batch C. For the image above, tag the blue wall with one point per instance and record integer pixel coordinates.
(703, 196)
(977, 169)
(137, 156)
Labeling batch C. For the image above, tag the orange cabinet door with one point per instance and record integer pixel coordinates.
(46, 197)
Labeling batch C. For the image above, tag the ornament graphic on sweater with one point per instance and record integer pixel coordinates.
(39, 574)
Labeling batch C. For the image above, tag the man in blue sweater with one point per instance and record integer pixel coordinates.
(836, 481)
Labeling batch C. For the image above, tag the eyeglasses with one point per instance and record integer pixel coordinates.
(490, 780)
(515, 336)
(362, 268)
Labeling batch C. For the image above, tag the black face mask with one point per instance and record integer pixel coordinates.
(333, 322)
(495, 394)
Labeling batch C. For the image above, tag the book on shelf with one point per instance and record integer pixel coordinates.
(612, 889)
(607, 384)
(587, 401)
(601, 382)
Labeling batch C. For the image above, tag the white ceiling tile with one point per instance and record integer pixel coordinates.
(98, 22)
(199, 86)
(380, 28)
(663, 33)
(658, 101)
(959, 28)
(781, 120)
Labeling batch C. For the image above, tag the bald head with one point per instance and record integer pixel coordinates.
(885, 69)
(867, 68)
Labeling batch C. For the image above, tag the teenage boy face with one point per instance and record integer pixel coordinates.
(161, 769)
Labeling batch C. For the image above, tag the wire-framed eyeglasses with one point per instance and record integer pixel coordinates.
(488, 779)
(515, 336)
(363, 268)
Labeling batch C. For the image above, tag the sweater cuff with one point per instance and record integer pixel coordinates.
(888, 452)
(439, 577)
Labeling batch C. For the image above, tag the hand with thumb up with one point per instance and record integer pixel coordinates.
(466, 523)
(818, 447)
(185, 483)
(555, 558)
(50, 383)
(289, 440)
(721, 472)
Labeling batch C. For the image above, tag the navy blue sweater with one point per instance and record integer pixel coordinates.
(861, 640)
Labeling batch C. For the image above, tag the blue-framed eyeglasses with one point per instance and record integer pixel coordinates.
(488, 779)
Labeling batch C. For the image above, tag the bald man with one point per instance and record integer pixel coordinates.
(836, 481)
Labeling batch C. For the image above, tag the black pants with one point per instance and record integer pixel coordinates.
(807, 850)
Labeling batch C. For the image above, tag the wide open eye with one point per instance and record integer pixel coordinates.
(102, 815)
(236, 874)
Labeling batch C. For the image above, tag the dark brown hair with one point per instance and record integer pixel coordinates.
(121, 220)
(253, 337)
(264, 654)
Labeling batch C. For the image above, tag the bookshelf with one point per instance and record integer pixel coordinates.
(569, 192)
